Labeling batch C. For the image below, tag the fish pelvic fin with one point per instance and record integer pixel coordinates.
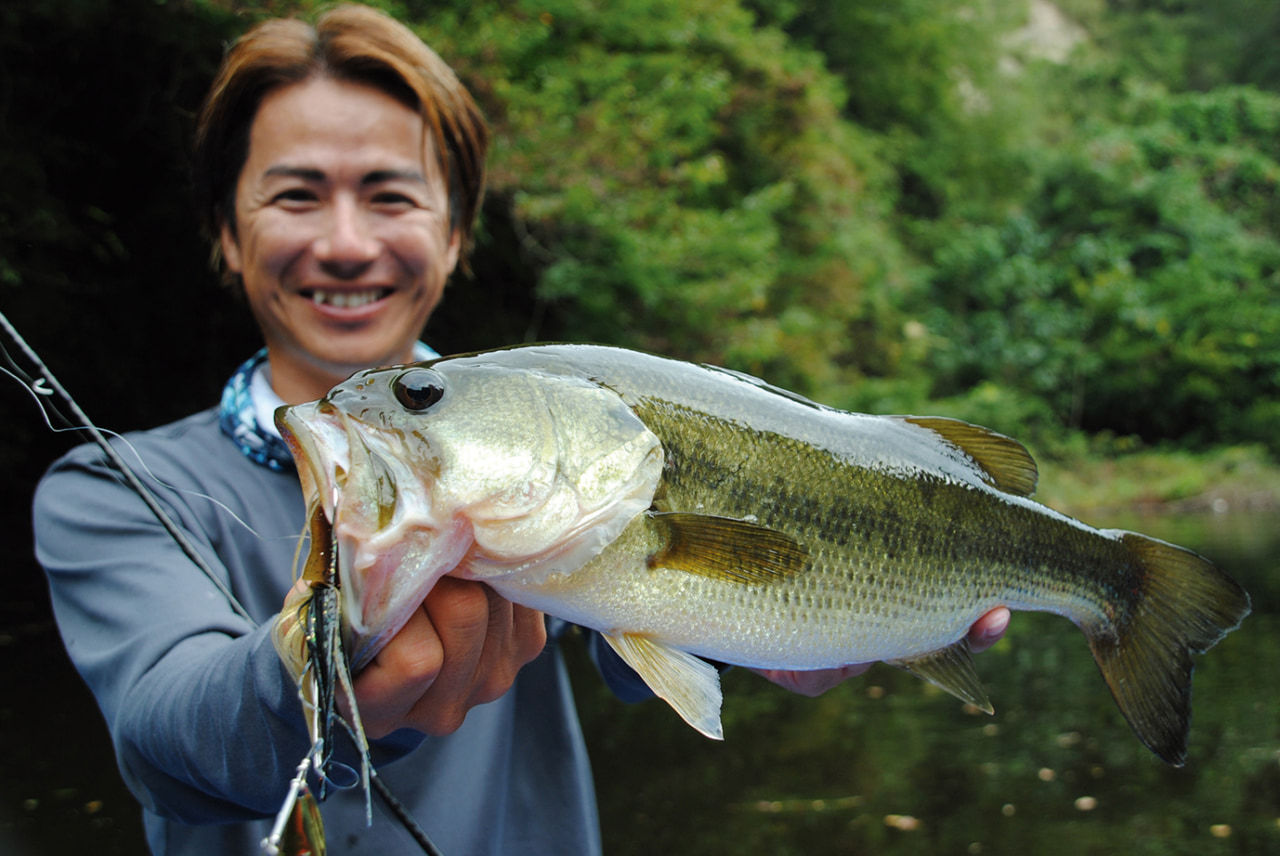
(950, 669)
(1184, 606)
(689, 684)
(1002, 461)
(724, 548)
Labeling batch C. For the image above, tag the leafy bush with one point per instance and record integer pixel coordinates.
(1139, 290)
(885, 206)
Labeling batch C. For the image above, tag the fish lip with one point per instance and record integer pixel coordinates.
(297, 425)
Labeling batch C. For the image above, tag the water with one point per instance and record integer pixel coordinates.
(886, 764)
(883, 764)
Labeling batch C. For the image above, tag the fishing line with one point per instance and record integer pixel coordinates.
(45, 389)
(38, 388)
(401, 813)
(114, 460)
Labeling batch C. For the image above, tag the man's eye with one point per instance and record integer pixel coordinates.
(392, 198)
(297, 194)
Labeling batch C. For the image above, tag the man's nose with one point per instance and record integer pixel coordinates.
(347, 244)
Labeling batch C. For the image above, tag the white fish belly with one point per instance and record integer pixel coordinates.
(807, 623)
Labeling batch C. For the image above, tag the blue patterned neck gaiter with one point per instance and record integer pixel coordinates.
(238, 420)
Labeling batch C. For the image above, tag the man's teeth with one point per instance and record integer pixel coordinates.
(345, 299)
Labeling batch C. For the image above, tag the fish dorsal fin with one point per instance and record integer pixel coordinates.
(724, 548)
(1004, 462)
(689, 684)
(951, 669)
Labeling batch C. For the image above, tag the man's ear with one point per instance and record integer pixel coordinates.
(454, 250)
(230, 249)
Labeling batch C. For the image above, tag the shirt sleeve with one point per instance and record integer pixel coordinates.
(207, 726)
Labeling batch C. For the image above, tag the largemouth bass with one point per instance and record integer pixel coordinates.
(692, 513)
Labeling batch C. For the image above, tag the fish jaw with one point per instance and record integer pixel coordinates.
(391, 545)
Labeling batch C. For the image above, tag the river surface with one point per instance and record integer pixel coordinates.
(883, 764)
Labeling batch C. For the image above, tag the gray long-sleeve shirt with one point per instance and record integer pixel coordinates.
(208, 727)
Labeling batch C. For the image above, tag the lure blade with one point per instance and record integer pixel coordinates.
(304, 832)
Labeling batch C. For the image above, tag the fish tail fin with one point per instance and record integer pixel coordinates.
(1182, 605)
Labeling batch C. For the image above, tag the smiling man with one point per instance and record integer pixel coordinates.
(338, 168)
(341, 232)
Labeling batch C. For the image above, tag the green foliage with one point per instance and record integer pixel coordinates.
(1190, 44)
(888, 206)
(684, 180)
(1139, 290)
(927, 74)
(101, 263)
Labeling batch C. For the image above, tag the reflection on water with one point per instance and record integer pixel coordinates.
(883, 764)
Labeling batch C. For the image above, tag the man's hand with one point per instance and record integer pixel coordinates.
(985, 632)
(462, 648)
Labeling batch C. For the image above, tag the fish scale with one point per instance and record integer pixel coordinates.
(947, 581)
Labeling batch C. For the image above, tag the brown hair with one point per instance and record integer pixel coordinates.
(353, 43)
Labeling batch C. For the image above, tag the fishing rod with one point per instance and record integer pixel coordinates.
(52, 386)
(48, 385)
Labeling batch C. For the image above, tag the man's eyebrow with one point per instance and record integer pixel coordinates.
(377, 176)
(305, 173)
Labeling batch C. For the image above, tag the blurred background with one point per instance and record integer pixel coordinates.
(1060, 220)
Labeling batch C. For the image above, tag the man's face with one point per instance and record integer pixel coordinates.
(341, 232)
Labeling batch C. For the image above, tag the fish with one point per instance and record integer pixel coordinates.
(695, 515)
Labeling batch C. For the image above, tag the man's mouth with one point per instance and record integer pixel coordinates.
(345, 299)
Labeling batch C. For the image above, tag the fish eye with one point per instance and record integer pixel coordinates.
(418, 389)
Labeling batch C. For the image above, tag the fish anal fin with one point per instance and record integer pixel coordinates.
(725, 548)
(1006, 462)
(1183, 606)
(689, 684)
(950, 669)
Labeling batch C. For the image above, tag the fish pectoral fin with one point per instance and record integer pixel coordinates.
(950, 669)
(689, 684)
(1003, 462)
(724, 548)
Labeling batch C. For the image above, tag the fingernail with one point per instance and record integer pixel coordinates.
(997, 626)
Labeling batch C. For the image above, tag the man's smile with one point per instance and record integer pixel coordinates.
(340, 299)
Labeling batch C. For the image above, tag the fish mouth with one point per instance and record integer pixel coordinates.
(320, 445)
(390, 548)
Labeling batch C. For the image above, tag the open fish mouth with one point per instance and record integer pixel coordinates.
(389, 546)
(316, 436)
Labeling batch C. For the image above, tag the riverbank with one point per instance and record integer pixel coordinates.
(1085, 483)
